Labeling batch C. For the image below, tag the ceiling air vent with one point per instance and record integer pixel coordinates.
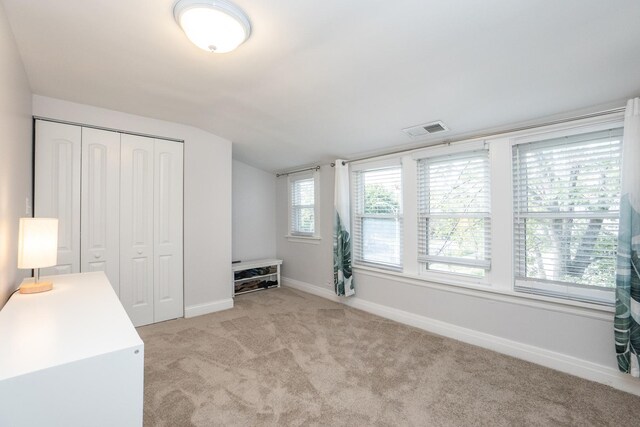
(426, 129)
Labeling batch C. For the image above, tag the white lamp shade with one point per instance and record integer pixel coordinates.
(213, 25)
(37, 242)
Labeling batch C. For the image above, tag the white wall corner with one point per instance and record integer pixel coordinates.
(207, 308)
(550, 359)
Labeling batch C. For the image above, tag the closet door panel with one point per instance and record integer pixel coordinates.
(57, 189)
(100, 229)
(136, 227)
(168, 234)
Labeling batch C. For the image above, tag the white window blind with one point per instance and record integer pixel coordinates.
(454, 215)
(302, 203)
(566, 194)
(377, 219)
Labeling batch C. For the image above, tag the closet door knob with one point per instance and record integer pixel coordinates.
(96, 256)
(139, 251)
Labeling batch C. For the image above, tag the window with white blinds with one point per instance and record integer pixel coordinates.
(377, 218)
(302, 198)
(454, 213)
(566, 194)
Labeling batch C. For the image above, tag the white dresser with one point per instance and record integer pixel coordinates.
(70, 357)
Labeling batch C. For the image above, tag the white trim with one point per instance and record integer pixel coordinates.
(501, 274)
(410, 215)
(313, 240)
(570, 291)
(357, 216)
(292, 177)
(435, 276)
(207, 308)
(443, 150)
(374, 164)
(550, 359)
(567, 290)
(591, 125)
(312, 289)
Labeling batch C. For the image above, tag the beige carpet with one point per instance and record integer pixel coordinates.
(283, 357)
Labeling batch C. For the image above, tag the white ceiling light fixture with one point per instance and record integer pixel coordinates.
(213, 25)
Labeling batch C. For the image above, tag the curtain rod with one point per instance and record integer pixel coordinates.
(494, 134)
(316, 168)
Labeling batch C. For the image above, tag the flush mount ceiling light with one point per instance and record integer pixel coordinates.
(213, 25)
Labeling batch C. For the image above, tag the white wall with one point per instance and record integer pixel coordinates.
(572, 339)
(207, 195)
(254, 213)
(15, 156)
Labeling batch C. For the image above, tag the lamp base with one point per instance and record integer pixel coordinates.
(34, 288)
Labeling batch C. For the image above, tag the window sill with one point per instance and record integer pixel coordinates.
(479, 290)
(312, 240)
(383, 268)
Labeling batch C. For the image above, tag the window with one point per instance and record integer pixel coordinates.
(443, 214)
(454, 220)
(303, 218)
(377, 227)
(566, 194)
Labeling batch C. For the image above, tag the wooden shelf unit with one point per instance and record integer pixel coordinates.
(273, 264)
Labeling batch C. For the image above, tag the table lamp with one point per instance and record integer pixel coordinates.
(37, 248)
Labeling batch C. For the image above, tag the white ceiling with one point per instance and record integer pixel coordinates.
(324, 79)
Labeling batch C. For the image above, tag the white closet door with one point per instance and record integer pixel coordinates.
(100, 229)
(168, 231)
(136, 227)
(57, 189)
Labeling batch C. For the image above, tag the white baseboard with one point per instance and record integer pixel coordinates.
(550, 359)
(209, 307)
(312, 289)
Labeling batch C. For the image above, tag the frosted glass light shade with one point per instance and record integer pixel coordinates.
(212, 25)
(37, 242)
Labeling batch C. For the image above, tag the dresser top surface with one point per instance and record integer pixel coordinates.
(80, 317)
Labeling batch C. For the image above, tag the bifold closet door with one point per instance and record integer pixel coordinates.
(119, 201)
(136, 227)
(57, 189)
(100, 204)
(168, 289)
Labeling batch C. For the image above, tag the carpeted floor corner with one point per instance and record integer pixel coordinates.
(283, 357)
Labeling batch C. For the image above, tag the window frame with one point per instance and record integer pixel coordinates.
(295, 235)
(498, 284)
(357, 238)
(575, 292)
(468, 148)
